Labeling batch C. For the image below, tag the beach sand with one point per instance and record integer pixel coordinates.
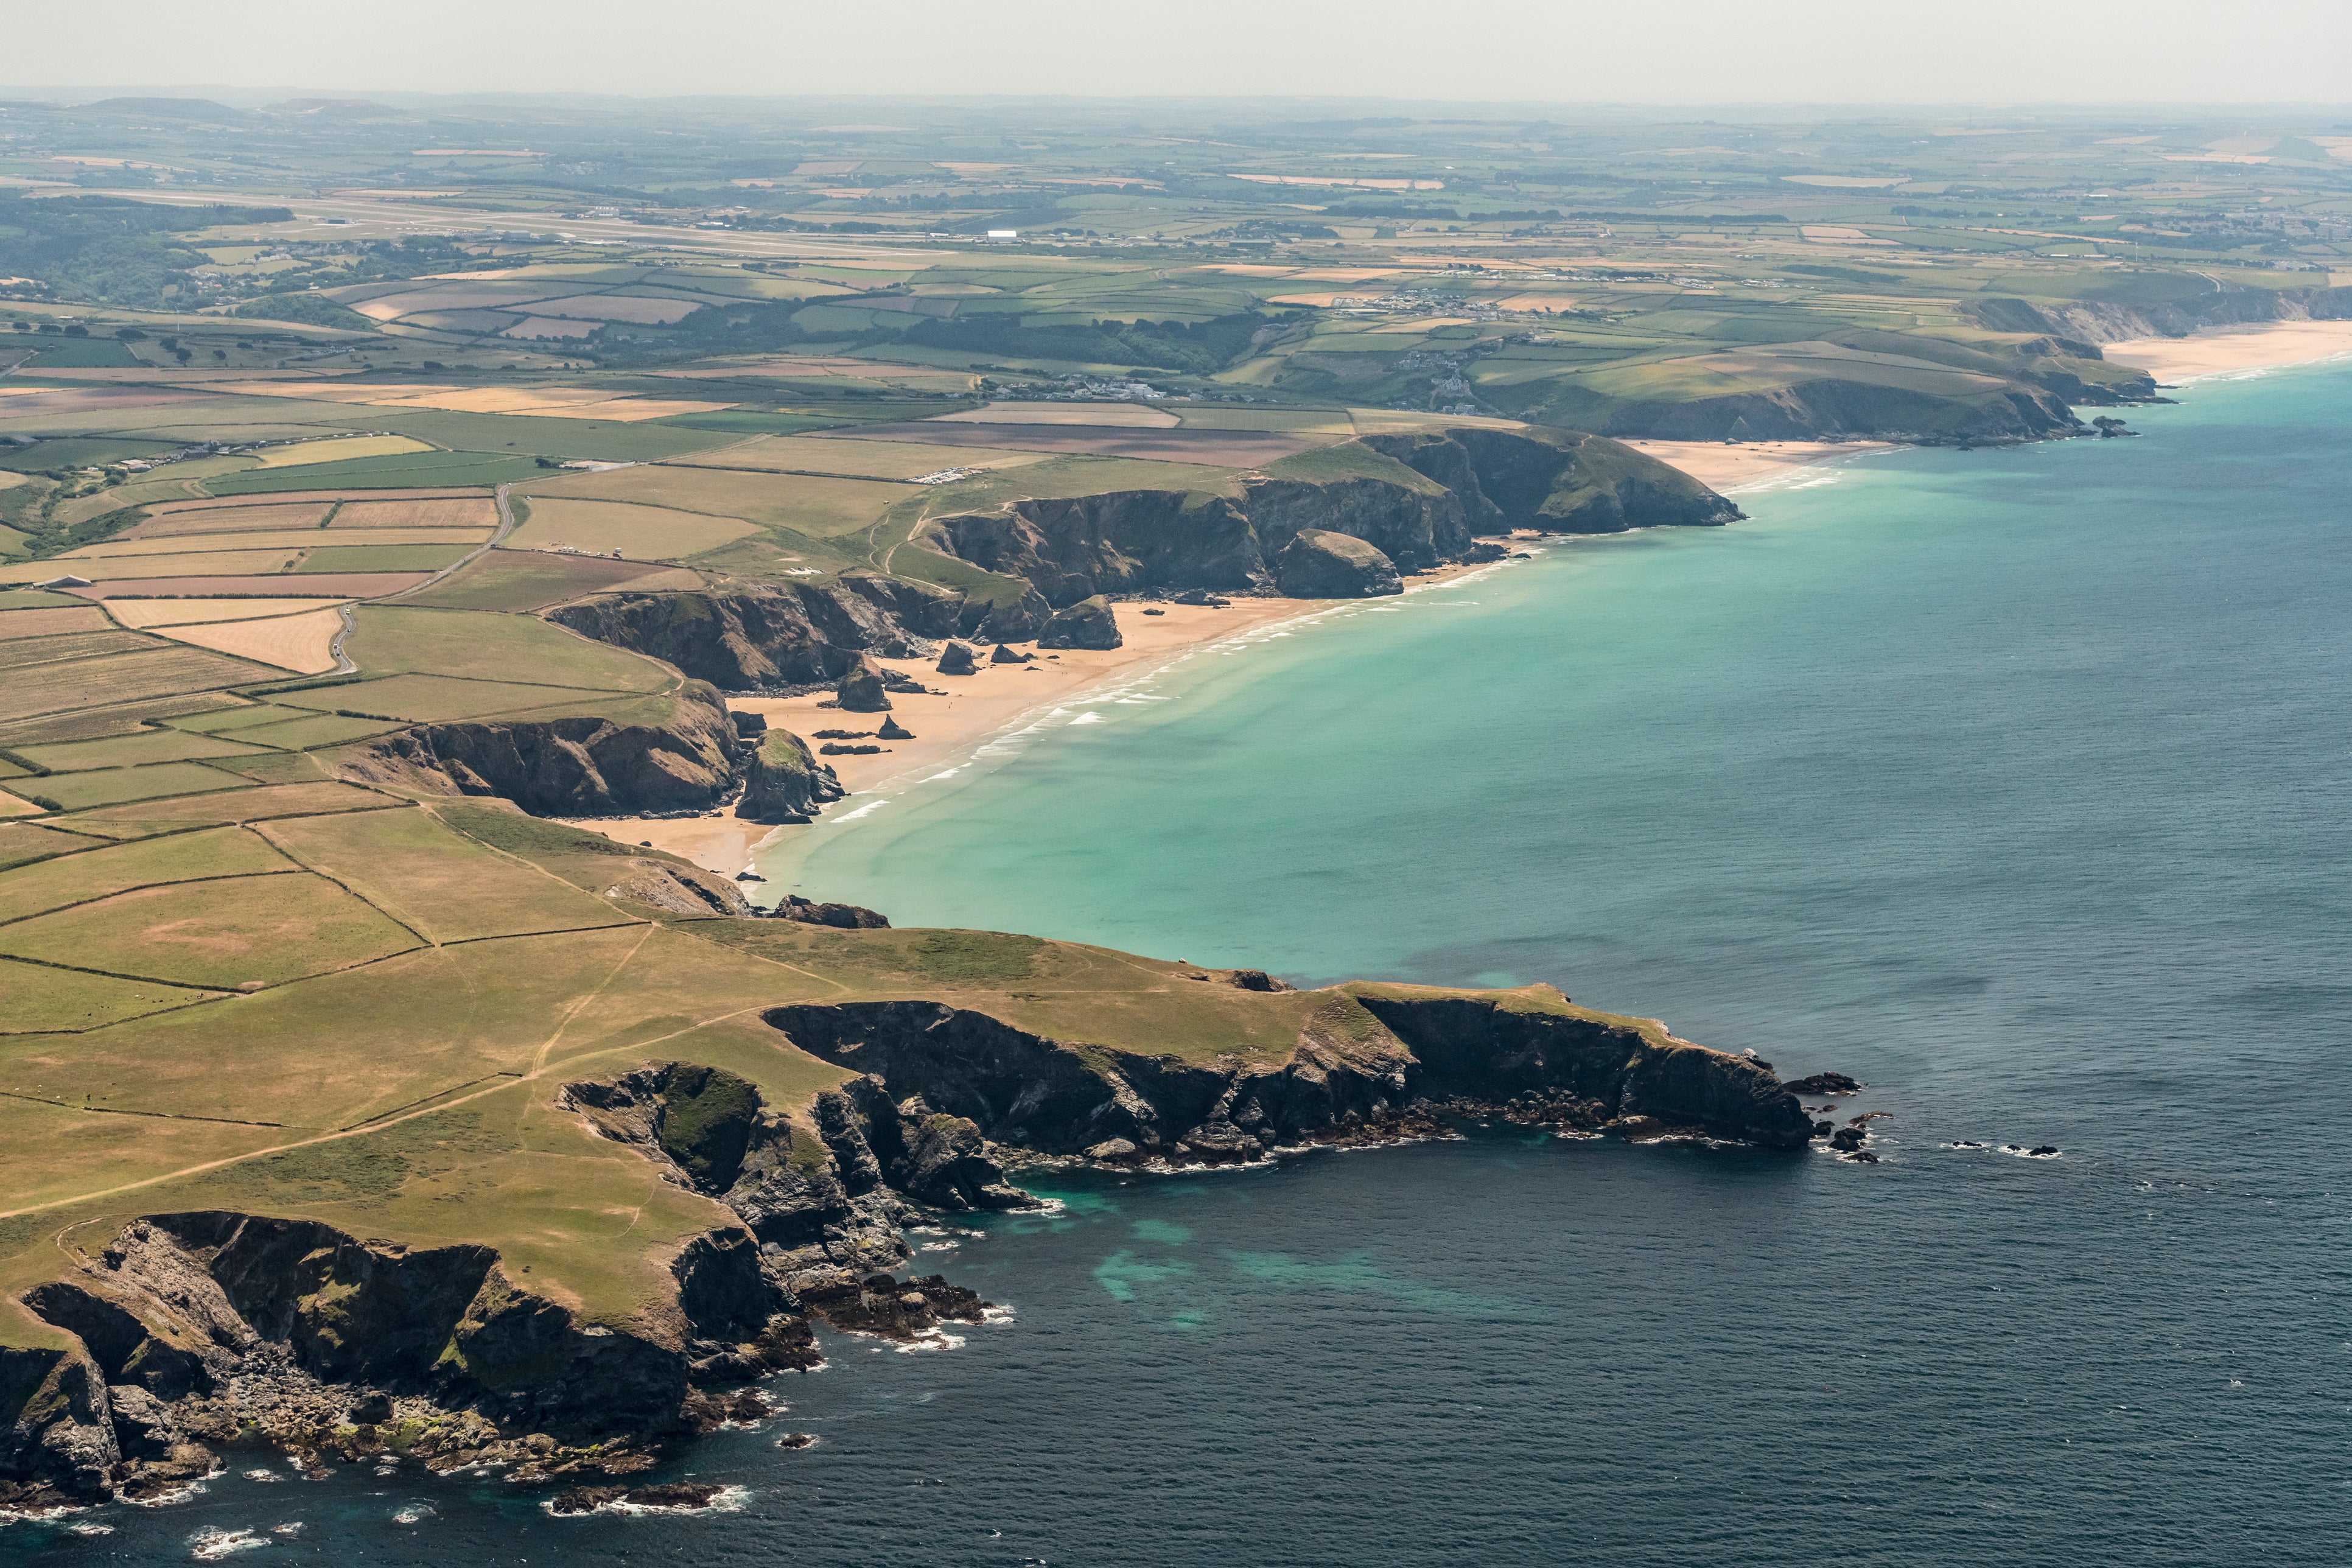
(2265, 347)
(1731, 468)
(999, 697)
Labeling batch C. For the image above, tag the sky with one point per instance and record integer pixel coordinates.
(1990, 52)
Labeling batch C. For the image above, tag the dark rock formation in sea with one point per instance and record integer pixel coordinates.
(1090, 623)
(783, 781)
(863, 689)
(1320, 565)
(956, 659)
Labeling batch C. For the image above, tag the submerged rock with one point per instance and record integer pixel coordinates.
(1321, 564)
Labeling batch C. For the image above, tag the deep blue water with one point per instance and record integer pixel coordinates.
(2013, 783)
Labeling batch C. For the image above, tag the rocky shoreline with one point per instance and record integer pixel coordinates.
(210, 1334)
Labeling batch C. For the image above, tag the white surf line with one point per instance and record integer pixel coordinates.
(1010, 739)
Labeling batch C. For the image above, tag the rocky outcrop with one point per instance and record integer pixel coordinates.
(864, 689)
(1321, 564)
(582, 766)
(1363, 1063)
(1090, 623)
(840, 916)
(826, 1201)
(783, 781)
(211, 1326)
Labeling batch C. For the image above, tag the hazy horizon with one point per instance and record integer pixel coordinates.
(2005, 54)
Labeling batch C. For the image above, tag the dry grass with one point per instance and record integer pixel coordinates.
(820, 507)
(304, 644)
(183, 564)
(465, 512)
(863, 459)
(324, 585)
(15, 623)
(1137, 416)
(119, 678)
(221, 519)
(638, 533)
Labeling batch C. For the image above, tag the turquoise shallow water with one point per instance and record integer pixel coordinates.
(2013, 783)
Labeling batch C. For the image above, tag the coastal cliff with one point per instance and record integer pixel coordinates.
(583, 766)
(1371, 1060)
(195, 1331)
(213, 1328)
(1421, 500)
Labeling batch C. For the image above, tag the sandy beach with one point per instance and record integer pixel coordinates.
(999, 697)
(1731, 468)
(2269, 346)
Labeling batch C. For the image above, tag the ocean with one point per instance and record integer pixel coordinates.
(2012, 783)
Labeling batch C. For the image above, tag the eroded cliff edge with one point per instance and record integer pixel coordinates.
(201, 1331)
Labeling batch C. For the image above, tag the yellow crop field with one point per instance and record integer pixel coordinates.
(339, 449)
(458, 512)
(303, 643)
(141, 614)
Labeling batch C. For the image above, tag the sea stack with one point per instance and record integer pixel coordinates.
(861, 690)
(893, 731)
(1321, 564)
(1086, 623)
(956, 659)
(1006, 656)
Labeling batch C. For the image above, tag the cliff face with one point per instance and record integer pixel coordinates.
(1363, 1062)
(214, 1326)
(1555, 481)
(2197, 307)
(1484, 480)
(583, 766)
(822, 1200)
(1121, 542)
